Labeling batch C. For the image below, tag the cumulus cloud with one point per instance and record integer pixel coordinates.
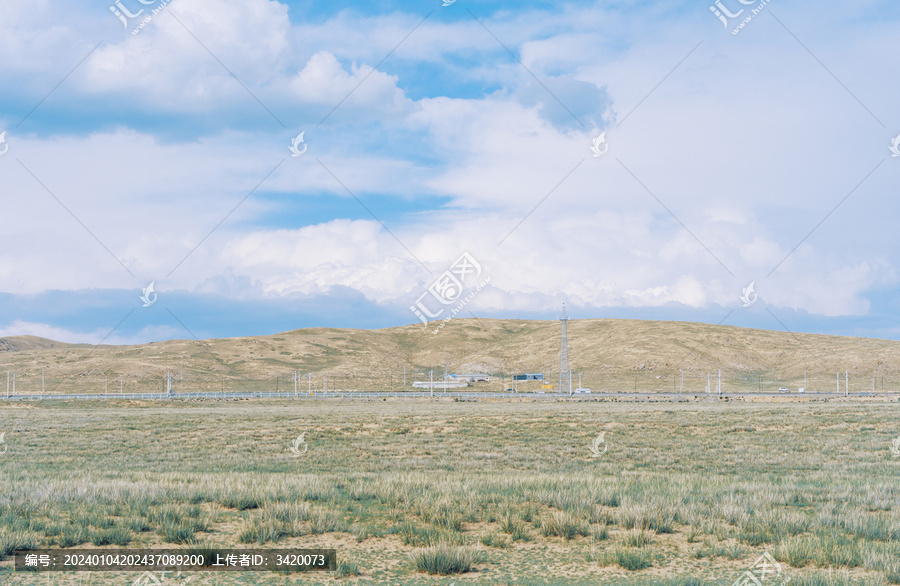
(714, 176)
(43, 330)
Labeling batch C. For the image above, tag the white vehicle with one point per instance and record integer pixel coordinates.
(784, 390)
(580, 391)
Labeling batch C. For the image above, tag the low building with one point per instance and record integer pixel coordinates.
(440, 384)
(472, 378)
(529, 376)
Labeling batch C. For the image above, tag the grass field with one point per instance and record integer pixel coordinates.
(685, 493)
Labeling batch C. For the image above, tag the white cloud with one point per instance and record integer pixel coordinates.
(176, 63)
(323, 81)
(749, 157)
(43, 330)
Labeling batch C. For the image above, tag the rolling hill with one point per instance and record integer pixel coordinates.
(612, 354)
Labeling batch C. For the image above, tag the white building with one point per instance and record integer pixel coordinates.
(472, 378)
(440, 384)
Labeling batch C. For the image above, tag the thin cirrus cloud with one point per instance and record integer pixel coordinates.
(745, 157)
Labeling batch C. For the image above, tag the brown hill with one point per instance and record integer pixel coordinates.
(20, 343)
(612, 354)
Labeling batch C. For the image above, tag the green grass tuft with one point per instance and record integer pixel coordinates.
(445, 559)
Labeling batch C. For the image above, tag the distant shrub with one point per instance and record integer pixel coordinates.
(599, 532)
(423, 536)
(347, 568)
(638, 538)
(630, 559)
(207, 550)
(326, 522)
(137, 524)
(11, 541)
(493, 540)
(241, 502)
(177, 533)
(514, 527)
(563, 525)
(71, 536)
(445, 559)
(261, 530)
(117, 535)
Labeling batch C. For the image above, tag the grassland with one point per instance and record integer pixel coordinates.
(685, 494)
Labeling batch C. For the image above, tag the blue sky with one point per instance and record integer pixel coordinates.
(432, 131)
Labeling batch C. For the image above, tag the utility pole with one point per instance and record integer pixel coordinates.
(846, 382)
(719, 382)
(431, 384)
(565, 375)
(105, 384)
(707, 382)
(7, 384)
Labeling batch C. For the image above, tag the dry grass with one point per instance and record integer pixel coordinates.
(675, 495)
